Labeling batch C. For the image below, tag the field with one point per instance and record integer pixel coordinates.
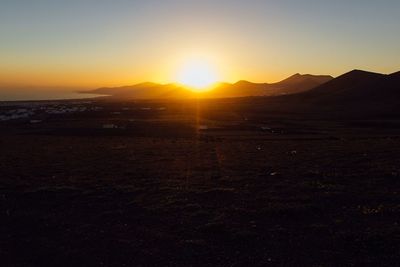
(198, 183)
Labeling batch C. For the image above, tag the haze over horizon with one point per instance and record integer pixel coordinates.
(89, 44)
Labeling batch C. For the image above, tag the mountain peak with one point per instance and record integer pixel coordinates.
(360, 75)
(355, 84)
(242, 82)
(362, 72)
(147, 84)
(296, 78)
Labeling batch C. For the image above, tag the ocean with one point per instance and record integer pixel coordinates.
(41, 94)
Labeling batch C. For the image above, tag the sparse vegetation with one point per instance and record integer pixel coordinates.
(159, 192)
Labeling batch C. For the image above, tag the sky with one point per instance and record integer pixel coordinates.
(93, 43)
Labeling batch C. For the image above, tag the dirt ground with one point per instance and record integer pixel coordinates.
(161, 192)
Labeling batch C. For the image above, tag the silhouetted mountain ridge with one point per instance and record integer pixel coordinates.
(293, 84)
(356, 83)
(355, 92)
(296, 78)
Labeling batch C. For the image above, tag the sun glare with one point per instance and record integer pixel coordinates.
(198, 76)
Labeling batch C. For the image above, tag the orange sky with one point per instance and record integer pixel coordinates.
(110, 43)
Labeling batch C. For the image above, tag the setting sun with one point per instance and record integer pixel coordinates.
(198, 75)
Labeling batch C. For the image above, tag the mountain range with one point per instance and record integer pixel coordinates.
(357, 85)
(294, 84)
(355, 92)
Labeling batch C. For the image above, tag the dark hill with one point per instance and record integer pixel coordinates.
(294, 84)
(300, 83)
(355, 83)
(358, 87)
(354, 93)
(299, 78)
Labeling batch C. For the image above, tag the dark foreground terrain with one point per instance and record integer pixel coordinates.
(208, 183)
